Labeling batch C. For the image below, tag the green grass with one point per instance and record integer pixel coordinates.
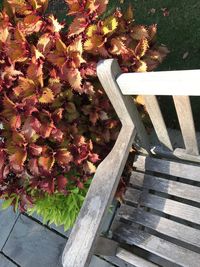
(180, 31)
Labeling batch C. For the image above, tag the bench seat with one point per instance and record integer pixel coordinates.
(160, 217)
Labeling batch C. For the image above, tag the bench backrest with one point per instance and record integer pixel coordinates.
(178, 84)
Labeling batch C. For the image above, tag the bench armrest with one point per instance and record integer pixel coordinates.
(80, 246)
(81, 243)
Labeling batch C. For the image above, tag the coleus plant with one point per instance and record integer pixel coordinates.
(55, 116)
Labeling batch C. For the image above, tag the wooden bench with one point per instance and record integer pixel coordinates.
(159, 222)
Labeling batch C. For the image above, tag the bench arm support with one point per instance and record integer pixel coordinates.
(81, 243)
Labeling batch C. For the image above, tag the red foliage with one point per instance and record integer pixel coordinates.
(55, 115)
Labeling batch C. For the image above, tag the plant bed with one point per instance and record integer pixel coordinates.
(58, 124)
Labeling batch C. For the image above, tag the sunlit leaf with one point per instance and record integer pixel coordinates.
(31, 23)
(91, 30)
(15, 122)
(35, 149)
(10, 72)
(26, 87)
(36, 54)
(74, 78)
(109, 25)
(63, 157)
(118, 46)
(89, 167)
(141, 48)
(76, 45)
(45, 43)
(35, 73)
(74, 6)
(102, 5)
(47, 96)
(17, 52)
(18, 138)
(78, 25)
(46, 162)
(94, 42)
(139, 32)
(19, 6)
(54, 26)
(17, 159)
(152, 30)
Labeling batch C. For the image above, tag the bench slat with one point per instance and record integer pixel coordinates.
(167, 206)
(161, 225)
(184, 82)
(177, 169)
(169, 187)
(186, 121)
(133, 259)
(164, 249)
(155, 114)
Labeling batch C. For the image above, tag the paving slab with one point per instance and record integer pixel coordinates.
(4, 262)
(7, 220)
(60, 229)
(32, 244)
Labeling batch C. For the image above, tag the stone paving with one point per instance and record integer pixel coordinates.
(26, 242)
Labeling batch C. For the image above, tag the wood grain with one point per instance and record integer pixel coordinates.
(155, 114)
(80, 245)
(161, 225)
(186, 121)
(184, 82)
(164, 205)
(183, 170)
(176, 255)
(166, 186)
(133, 259)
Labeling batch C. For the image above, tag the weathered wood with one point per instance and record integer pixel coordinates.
(106, 247)
(182, 154)
(108, 71)
(184, 82)
(83, 239)
(117, 262)
(186, 121)
(161, 225)
(166, 250)
(80, 245)
(178, 154)
(186, 171)
(98, 262)
(155, 114)
(164, 205)
(133, 259)
(173, 188)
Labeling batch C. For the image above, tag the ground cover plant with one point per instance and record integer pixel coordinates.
(57, 123)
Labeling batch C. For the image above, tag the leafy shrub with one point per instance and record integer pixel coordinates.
(59, 209)
(56, 119)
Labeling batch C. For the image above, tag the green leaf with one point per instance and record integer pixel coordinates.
(7, 203)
